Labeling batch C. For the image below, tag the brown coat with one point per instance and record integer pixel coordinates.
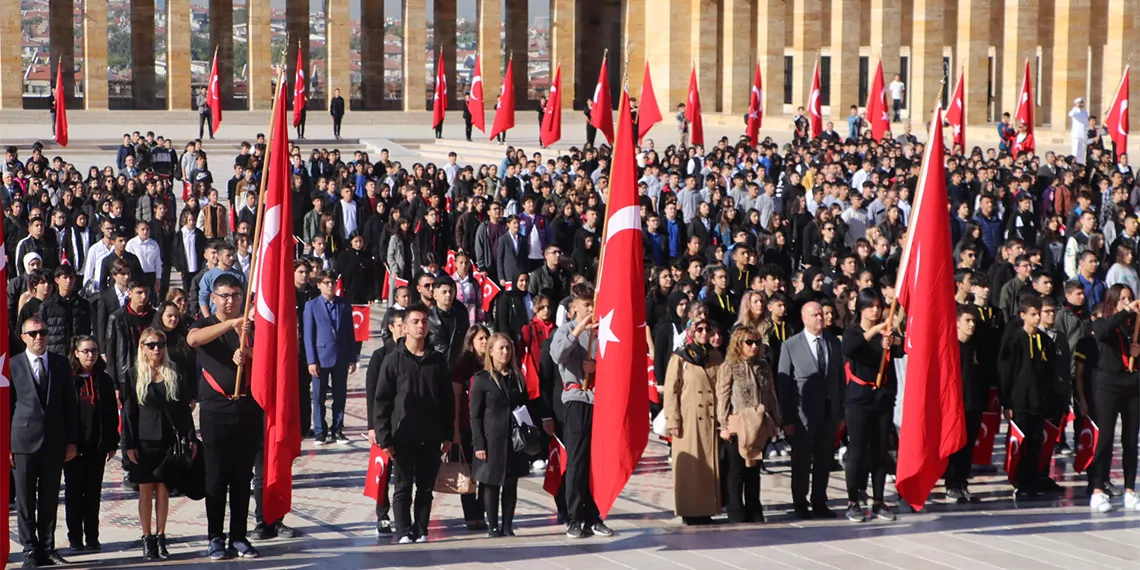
(690, 404)
(742, 386)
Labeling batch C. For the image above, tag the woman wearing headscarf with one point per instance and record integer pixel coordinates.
(514, 308)
(690, 406)
(746, 401)
(668, 336)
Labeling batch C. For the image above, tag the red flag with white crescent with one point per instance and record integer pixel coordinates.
(60, 107)
(621, 410)
(1013, 444)
(489, 290)
(300, 89)
(530, 374)
(273, 367)
(449, 267)
(551, 129)
(1116, 120)
(602, 115)
(376, 477)
(1086, 446)
(475, 105)
(439, 99)
(987, 435)
(755, 109)
(877, 110)
(1052, 433)
(361, 319)
(214, 96)
(815, 103)
(651, 380)
(555, 467)
(693, 112)
(956, 114)
(505, 114)
(1025, 102)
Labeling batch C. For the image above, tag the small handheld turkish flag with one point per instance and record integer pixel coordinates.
(530, 375)
(361, 318)
(376, 480)
(654, 392)
(338, 289)
(1013, 442)
(1086, 446)
(450, 267)
(1047, 445)
(987, 434)
(555, 467)
(490, 290)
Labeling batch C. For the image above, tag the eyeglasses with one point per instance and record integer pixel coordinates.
(36, 333)
(87, 351)
(829, 229)
(226, 296)
(158, 344)
(751, 342)
(328, 282)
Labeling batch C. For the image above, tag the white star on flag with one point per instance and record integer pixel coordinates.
(605, 333)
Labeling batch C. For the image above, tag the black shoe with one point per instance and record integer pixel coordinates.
(601, 529)
(217, 549)
(339, 437)
(93, 545)
(575, 530)
(1110, 489)
(383, 527)
(494, 533)
(822, 512)
(508, 531)
(884, 512)
(284, 531)
(696, 521)
(855, 513)
(477, 526)
(52, 558)
(320, 439)
(160, 541)
(31, 560)
(1047, 485)
(802, 512)
(262, 532)
(76, 546)
(957, 496)
(150, 547)
(244, 549)
(1026, 495)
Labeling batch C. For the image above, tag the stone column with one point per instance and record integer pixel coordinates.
(490, 15)
(95, 54)
(973, 55)
(926, 60)
(703, 36)
(770, 36)
(261, 76)
(11, 64)
(62, 37)
(222, 40)
(337, 73)
(372, 54)
(1121, 29)
(564, 48)
(297, 37)
(668, 39)
(845, 16)
(633, 44)
(1021, 18)
(444, 37)
(178, 94)
(415, 43)
(1095, 36)
(1045, 29)
(738, 69)
(517, 25)
(885, 36)
(1070, 57)
(806, 32)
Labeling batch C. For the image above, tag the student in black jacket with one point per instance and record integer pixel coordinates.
(98, 439)
(1117, 393)
(975, 398)
(1026, 390)
(396, 328)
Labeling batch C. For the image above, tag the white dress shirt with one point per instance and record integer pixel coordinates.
(189, 245)
(812, 340)
(93, 269)
(32, 359)
(150, 257)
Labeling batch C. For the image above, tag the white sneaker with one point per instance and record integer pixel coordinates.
(1131, 501)
(783, 449)
(1099, 503)
(406, 540)
(538, 466)
(421, 538)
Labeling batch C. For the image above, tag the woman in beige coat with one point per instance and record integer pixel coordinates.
(747, 409)
(690, 415)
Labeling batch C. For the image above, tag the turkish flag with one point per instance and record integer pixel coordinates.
(602, 115)
(505, 114)
(300, 92)
(1116, 119)
(530, 375)
(987, 434)
(5, 410)
(693, 114)
(1025, 102)
(956, 114)
(1013, 442)
(274, 364)
(1048, 443)
(755, 109)
(475, 104)
(877, 113)
(439, 99)
(361, 322)
(815, 103)
(621, 410)
(186, 188)
(60, 107)
(933, 424)
(376, 478)
(651, 379)
(449, 267)
(648, 113)
(489, 290)
(214, 96)
(551, 128)
(338, 289)
(555, 467)
(1086, 446)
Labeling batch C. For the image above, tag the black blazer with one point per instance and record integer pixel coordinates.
(511, 263)
(181, 260)
(31, 429)
(151, 419)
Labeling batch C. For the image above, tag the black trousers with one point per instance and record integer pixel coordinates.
(1031, 424)
(37, 497)
(204, 121)
(472, 505)
(812, 452)
(508, 494)
(580, 504)
(336, 125)
(958, 468)
(231, 447)
(301, 124)
(84, 478)
(439, 130)
(868, 433)
(1113, 401)
(304, 390)
(591, 134)
(743, 486)
(415, 464)
(467, 127)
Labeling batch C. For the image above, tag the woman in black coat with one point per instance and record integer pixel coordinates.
(98, 440)
(155, 414)
(356, 268)
(169, 320)
(514, 308)
(495, 393)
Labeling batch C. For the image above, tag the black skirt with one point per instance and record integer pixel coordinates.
(151, 455)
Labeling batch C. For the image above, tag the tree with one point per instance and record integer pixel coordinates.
(200, 47)
(118, 48)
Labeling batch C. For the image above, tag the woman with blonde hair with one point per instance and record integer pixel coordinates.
(747, 409)
(753, 313)
(496, 392)
(690, 398)
(155, 416)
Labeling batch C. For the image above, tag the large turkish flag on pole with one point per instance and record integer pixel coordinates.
(5, 402)
(551, 129)
(755, 109)
(602, 116)
(815, 103)
(1025, 102)
(1116, 119)
(439, 99)
(475, 104)
(505, 114)
(621, 410)
(877, 113)
(933, 421)
(60, 107)
(693, 113)
(214, 95)
(956, 114)
(274, 366)
(300, 85)
(648, 113)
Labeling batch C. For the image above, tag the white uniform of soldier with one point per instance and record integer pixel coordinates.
(1080, 130)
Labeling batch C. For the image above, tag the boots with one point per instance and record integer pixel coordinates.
(150, 547)
(163, 553)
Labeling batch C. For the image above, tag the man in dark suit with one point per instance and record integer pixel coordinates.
(336, 109)
(511, 253)
(41, 389)
(331, 349)
(809, 383)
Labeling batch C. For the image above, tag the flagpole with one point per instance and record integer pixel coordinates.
(254, 258)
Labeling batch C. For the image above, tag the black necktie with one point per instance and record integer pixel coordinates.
(820, 355)
(40, 377)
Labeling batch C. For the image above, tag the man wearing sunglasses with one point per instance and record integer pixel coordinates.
(40, 447)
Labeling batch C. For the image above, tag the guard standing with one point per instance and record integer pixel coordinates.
(336, 109)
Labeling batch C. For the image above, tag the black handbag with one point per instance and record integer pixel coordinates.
(525, 438)
(180, 454)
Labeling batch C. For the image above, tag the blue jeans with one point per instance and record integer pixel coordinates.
(335, 378)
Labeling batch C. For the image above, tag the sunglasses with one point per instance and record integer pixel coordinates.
(158, 344)
(36, 333)
(751, 342)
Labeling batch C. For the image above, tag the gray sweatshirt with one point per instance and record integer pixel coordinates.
(568, 352)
